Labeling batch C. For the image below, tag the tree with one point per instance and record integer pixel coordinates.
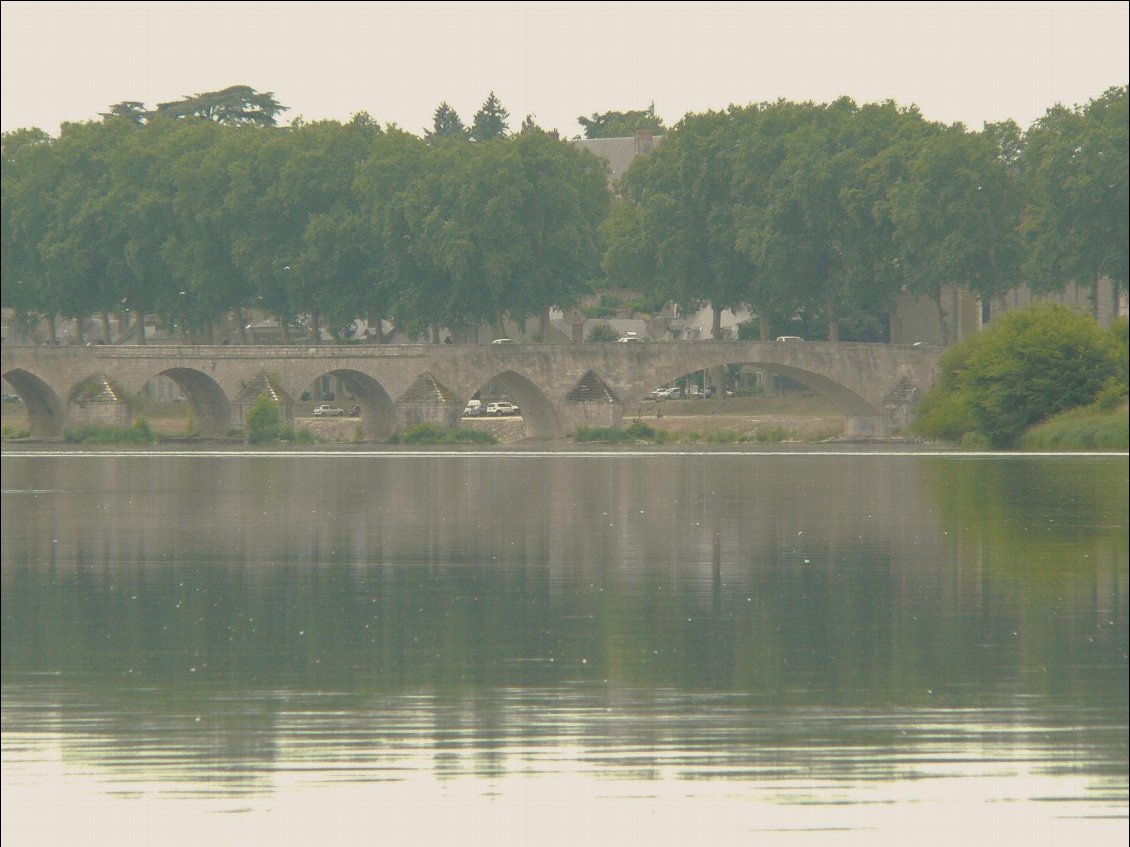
(1075, 218)
(956, 216)
(683, 193)
(239, 105)
(445, 124)
(1027, 366)
(603, 332)
(490, 121)
(621, 124)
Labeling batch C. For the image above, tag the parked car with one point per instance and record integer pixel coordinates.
(474, 409)
(789, 338)
(329, 412)
(694, 393)
(924, 345)
(502, 408)
(504, 341)
(630, 339)
(672, 393)
(354, 411)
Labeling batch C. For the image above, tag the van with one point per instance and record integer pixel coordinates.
(789, 338)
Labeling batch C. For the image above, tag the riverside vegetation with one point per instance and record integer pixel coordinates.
(1041, 378)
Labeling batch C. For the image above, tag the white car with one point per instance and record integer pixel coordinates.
(474, 409)
(502, 408)
(329, 412)
(504, 341)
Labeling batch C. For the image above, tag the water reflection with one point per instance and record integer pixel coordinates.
(753, 634)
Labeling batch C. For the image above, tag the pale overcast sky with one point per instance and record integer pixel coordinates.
(970, 62)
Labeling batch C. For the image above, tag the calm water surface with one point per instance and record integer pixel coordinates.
(752, 648)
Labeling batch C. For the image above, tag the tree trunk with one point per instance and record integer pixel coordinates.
(833, 320)
(716, 323)
(51, 334)
(943, 321)
(242, 326)
(545, 326)
(80, 328)
(106, 327)
(1095, 299)
(316, 329)
(433, 332)
(285, 330)
(141, 327)
(763, 326)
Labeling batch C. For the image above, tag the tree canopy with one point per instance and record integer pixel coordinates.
(813, 215)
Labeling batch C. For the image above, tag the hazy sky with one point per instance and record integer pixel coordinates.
(970, 62)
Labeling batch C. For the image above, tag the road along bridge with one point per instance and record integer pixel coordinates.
(558, 387)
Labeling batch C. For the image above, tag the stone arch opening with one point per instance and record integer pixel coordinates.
(538, 417)
(45, 411)
(853, 415)
(211, 409)
(377, 410)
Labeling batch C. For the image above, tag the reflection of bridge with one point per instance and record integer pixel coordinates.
(559, 387)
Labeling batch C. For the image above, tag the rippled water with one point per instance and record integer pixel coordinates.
(594, 648)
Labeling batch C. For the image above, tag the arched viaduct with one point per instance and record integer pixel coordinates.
(558, 387)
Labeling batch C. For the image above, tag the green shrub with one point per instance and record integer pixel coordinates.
(139, 433)
(603, 433)
(10, 432)
(603, 332)
(1024, 368)
(264, 423)
(771, 435)
(429, 433)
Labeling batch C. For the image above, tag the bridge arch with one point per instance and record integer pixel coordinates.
(538, 415)
(211, 408)
(378, 412)
(45, 411)
(847, 401)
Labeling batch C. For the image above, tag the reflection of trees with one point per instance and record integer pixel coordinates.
(1041, 546)
(839, 583)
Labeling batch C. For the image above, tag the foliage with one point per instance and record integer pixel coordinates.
(1102, 426)
(490, 121)
(603, 332)
(1026, 367)
(139, 433)
(446, 124)
(771, 435)
(10, 433)
(264, 422)
(621, 124)
(429, 433)
(1075, 167)
(813, 216)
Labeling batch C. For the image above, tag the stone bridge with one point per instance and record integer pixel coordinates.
(558, 387)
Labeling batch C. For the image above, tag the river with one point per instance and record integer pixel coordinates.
(580, 648)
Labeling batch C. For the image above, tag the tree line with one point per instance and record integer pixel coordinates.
(821, 213)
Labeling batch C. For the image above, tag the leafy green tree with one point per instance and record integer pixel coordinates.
(27, 171)
(1027, 366)
(490, 121)
(1076, 219)
(621, 124)
(956, 217)
(684, 200)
